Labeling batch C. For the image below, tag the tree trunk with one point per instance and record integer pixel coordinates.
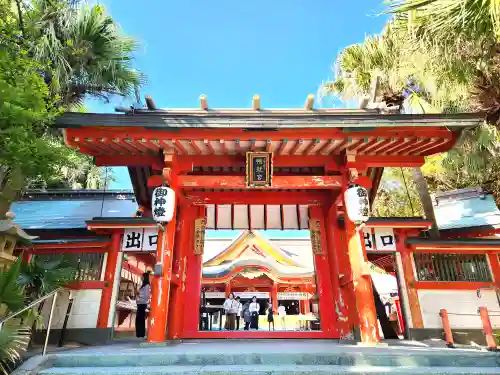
(425, 199)
(11, 190)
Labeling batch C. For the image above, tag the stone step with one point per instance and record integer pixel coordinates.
(141, 358)
(267, 370)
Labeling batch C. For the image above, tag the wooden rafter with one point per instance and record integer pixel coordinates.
(296, 146)
(195, 147)
(282, 146)
(209, 146)
(311, 147)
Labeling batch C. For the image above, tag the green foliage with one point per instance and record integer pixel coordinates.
(88, 54)
(13, 339)
(11, 292)
(26, 110)
(41, 277)
(397, 195)
(13, 342)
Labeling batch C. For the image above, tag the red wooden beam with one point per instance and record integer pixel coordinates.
(88, 285)
(80, 247)
(239, 182)
(187, 163)
(367, 161)
(127, 160)
(66, 250)
(258, 197)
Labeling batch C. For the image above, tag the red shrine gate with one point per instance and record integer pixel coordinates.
(315, 154)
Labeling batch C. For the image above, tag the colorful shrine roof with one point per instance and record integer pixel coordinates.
(250, 255)
(465, 208)
(70, 209)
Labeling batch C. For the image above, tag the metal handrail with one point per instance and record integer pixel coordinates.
(33, 304)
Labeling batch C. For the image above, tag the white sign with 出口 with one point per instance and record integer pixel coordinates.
(379, 239)
(140, 239)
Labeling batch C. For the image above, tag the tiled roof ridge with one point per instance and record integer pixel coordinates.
(458, 194)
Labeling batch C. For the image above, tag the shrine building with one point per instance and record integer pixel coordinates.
(261, 169)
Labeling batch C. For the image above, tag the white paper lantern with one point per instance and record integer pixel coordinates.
(357, 204)
(163, 204)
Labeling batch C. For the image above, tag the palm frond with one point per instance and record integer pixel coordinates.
(11, 293)
(445, 18)
(13, 342)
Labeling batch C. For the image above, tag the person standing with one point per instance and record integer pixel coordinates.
(254, 312)
(230, 308)
(239, 309)
(142, 300)
(282, 315)
(247, 317)
(270, 316)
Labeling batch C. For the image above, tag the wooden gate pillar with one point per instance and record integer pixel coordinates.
(109, 278)
(184, 245)
(362, 284)
(334, 246)
(323, 275)
(160, 284)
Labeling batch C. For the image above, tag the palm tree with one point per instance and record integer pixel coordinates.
(13, 338)
(474, 27)
(88, 54)
(383, 58)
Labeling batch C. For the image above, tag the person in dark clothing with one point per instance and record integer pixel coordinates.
(142, 300)
(270, 316)
(247, 317)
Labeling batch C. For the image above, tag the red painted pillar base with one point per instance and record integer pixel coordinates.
(363, 289)
(109, 277)
(275, 298)
(160, 293)
(184, 245)
(487, 328)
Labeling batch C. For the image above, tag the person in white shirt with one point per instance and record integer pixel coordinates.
(238, 313)
(254, 312)
(231, 309)
(282, 315)
(142, 300)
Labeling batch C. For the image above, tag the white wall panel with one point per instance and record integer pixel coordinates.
(84, 311)
(257, 216)
(462, 306)
(304, 217)
(290, 218)
(273, 216)
(240, 216)
(224, 216)
(210, 216)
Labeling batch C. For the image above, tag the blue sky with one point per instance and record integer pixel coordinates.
(231, 50)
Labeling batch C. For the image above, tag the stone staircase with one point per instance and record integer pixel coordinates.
(256, 358)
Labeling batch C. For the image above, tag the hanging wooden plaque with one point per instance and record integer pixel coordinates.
(199, 235)
(259, 169)
(315, 230)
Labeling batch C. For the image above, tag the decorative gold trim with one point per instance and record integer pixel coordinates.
(315, 230)
(199, 235)
(250, 155)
